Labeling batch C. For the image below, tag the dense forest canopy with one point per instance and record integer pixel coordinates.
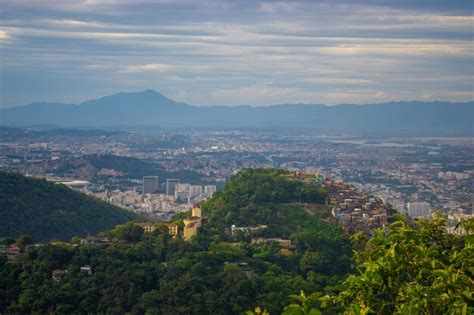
(215, 273)
(255, 196)
(46, 211)
(412, 268)
(406, 268)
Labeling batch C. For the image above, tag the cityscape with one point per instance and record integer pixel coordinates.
(417, 176)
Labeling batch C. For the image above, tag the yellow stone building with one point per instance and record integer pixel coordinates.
(191, 226)
(172, 229)
(147, 227)
(190, 230)
(196, 210)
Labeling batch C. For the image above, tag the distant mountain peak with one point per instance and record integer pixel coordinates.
(151, 108)
(146, 97)
(150, 91)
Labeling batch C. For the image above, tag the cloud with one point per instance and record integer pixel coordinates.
(398, 49)
(265, 94)
(4, 35)
(337, 81)
(152, 67)
(221, 52)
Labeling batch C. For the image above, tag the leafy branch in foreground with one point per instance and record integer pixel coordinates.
(406, 269)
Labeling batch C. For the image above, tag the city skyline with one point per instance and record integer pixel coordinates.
(232, 53)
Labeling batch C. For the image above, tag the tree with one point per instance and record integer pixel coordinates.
(24, 240)
(411, 269)
(304, 305)
(257, 311)
(154, 273)
(129, 232)
(313, 193)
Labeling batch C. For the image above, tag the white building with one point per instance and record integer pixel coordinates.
(398, 205)
(196, 190)
(418, 209)
(209, 190)
(182, 187)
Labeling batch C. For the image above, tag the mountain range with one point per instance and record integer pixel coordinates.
(152, 109)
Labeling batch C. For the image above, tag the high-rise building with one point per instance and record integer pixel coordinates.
(195, 190)
(209, 190)
(182, 187)
(182, 191)
(150, 184)
(171, 186)
(398, 205)
(418, 209)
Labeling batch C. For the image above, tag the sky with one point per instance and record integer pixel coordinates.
(237, 52)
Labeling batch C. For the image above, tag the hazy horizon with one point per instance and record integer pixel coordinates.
(234, 105)
(237, 53)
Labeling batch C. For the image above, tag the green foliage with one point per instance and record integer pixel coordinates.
(314, 193)
(409, 269)
(257, 311)
(128, 232)
(24, 240)
(249, 196)
(304, 305)
(213, 274)
(44, 210)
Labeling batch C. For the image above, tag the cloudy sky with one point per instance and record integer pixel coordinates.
(237, 52)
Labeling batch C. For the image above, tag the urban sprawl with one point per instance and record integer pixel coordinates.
(364, 177)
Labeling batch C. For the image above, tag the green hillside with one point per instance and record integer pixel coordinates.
(46, 211)
(407, 268)
(131, 167)
(215, 273)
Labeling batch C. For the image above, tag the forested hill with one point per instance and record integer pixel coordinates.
(46, 211)
(407, 268)
(214, 273)
(262, 196)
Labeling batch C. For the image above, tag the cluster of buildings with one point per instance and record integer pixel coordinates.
(437, 171)
(190, 225)
(355, 212)
(454, 175)
(178, 197)
(13, 251)
(246, 230)
(406, 173)
(180, 191)
(251, 231)
(418, 209)
(282, 242)
(58, 274)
